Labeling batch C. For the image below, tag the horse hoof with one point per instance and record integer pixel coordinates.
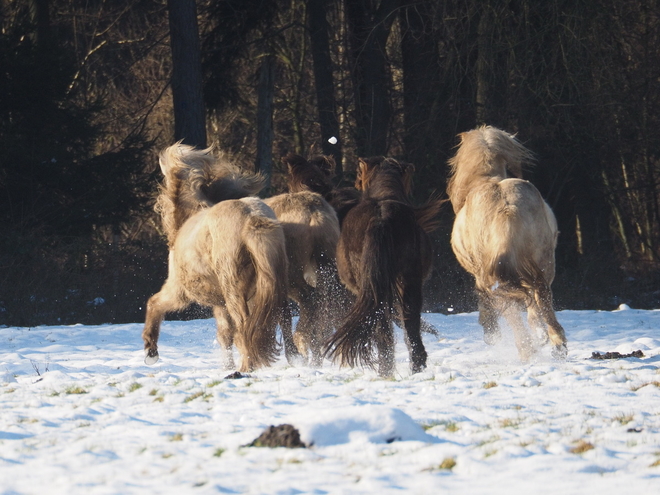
(560, 352)
(151, 356)
(492, 338)
(418, 369)
(295, 359)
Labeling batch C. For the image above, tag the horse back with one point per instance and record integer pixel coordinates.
(505, 231)
(388, 227)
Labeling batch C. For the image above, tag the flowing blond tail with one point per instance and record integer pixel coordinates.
(264, 240)
(185, 170)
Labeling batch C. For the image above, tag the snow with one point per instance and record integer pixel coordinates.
(81, 413)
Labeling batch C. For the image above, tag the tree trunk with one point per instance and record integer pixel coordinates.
(325, 93)
(187, 94)
(421, 85)
(483, 68)
(266, 91)
(368, 33)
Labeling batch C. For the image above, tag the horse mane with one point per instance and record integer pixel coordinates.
(484, 153)
(383, 178)
(196, 179)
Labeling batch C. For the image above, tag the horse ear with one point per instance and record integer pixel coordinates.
(361, 174)
(408, 171)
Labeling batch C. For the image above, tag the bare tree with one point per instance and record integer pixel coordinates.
(323, 80)
(189, 110)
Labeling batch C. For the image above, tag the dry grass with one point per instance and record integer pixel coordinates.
(581, 446)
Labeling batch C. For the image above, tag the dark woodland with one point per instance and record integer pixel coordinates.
(91, 91)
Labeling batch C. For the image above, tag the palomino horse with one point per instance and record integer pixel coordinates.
(383, 256)
(311, 231)
(505, 236)
(226, 250)
(315, 175)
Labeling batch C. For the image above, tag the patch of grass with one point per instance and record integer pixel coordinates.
(54, 393)
(488, 385)
(28, 420)
(581, 446)
(655, 464)
(214, 383)
(120, 395)
(159, 399)
(197, 395)
(167, 455)
(75, 390)
(492, 439)
(451, 427)
(218, 452)
(654, 383)
(510, 422)
(624, 419)
(10, 390)
(448, 463)
(134, 386)
(177, 437)
(153, 391)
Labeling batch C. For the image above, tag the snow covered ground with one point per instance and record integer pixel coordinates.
(81, 413)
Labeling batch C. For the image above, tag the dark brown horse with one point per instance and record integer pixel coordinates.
(225, 252)
(383, 256)
(505, 236)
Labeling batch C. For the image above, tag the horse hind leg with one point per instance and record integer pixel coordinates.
(225, 333)
(158, 306)
(521, 335)
(385, 347)
(488, 318)
(556, 334)
(537, 325)
(293, 357)
(410, 307)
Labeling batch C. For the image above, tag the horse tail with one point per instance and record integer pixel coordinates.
(264, 241)
(185, 169)
(518, 277)
(427, 215)
(353, 342)
(324, 233)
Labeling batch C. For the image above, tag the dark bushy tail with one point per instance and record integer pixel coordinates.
(427, 215)
(353, 343)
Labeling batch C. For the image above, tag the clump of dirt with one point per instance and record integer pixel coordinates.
(236, 375)
(279, 436)
(616, 355)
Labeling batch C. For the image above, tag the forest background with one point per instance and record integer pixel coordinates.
(92, 90)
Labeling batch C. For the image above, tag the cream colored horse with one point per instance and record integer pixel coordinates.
(504, 235)
(227, 251)
(311, 230)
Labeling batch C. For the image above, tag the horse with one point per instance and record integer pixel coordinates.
(316, 175)
(505, 235)
(311, 231)
(383, 256)
(226, 250)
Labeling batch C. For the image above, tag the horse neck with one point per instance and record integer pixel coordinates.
(470, 176)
